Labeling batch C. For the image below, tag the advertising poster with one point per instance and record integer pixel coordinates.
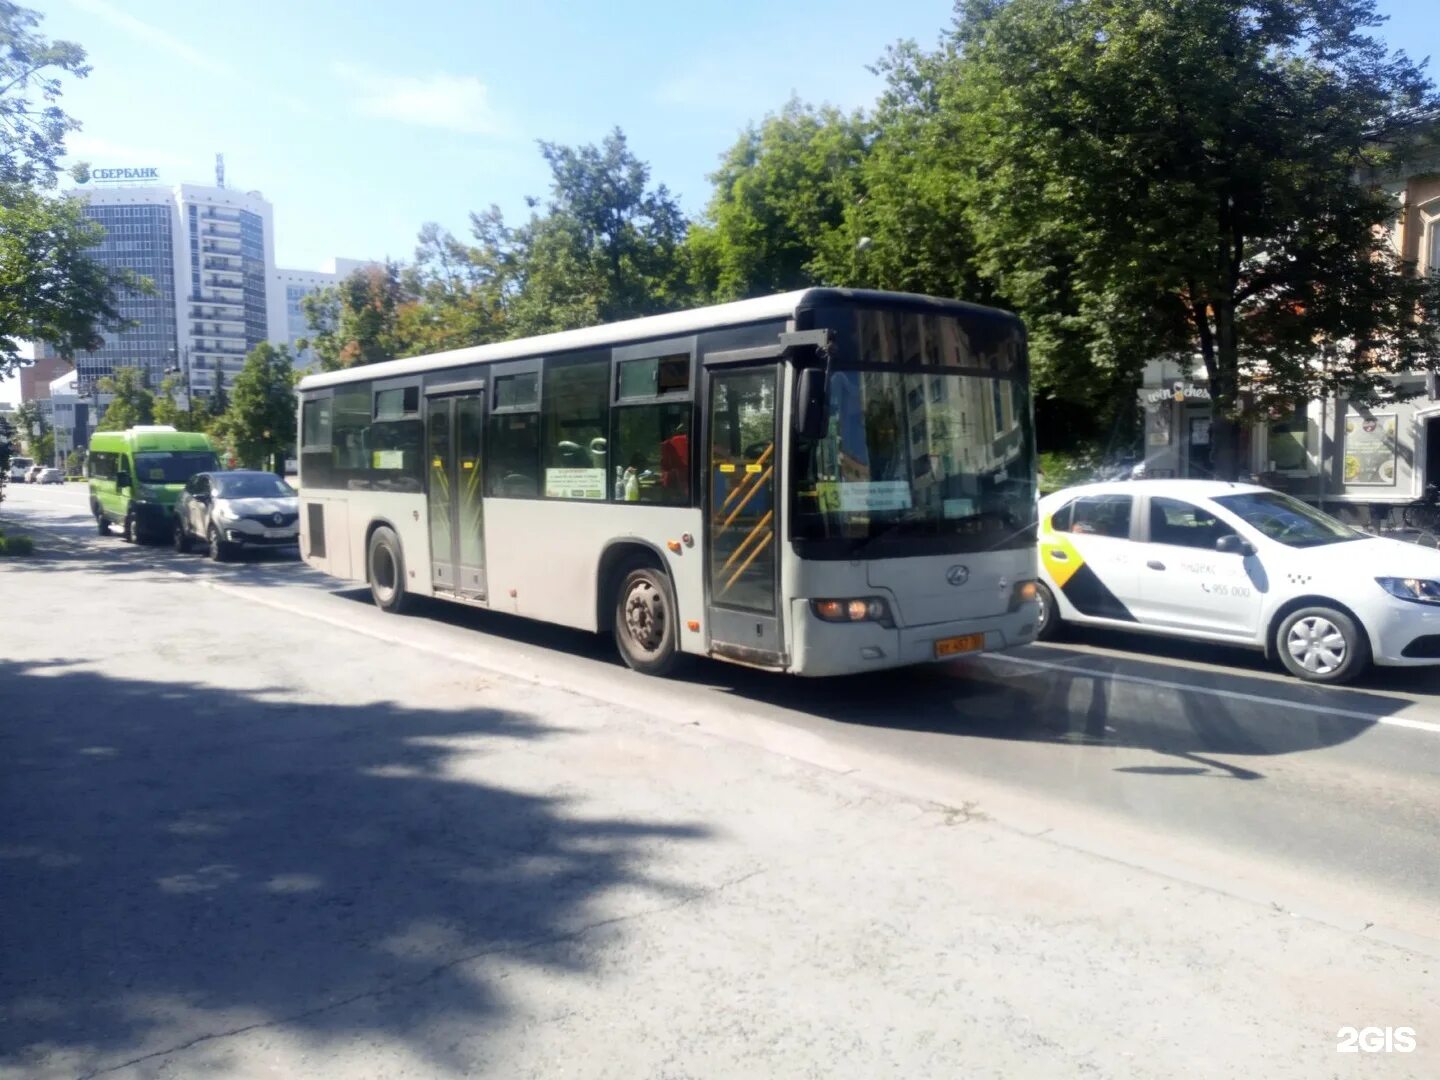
(575, 483)
(1370, 449)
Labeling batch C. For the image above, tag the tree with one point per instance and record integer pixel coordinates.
(607, 247)
(358, 320)
(32, 426)
(776, 218)
(458, 294)
(32, 125)
(8, 440)
(260, 422)
(1197, 178)
(167, 408)
(133, 403)
(50, 289)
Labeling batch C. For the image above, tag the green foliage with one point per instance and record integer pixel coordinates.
(776, 218)
(607, 246)
(133, 402)
(74, 463)
(50, 288)
(1195, 177)
(8, 437)
(16, 545)
(260, 420)
(32, 126)
(358, 320)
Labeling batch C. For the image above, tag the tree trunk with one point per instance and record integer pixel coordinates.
(1224, 394)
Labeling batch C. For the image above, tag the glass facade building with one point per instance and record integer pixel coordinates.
(138, 238)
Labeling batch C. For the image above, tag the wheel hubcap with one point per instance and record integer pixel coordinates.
(384, 572)
(1317, 645)
(645, 616)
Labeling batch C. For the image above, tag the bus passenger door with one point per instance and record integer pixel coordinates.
(742, 515)
(454, 424)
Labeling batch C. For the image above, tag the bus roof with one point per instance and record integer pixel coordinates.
(150, 437)
(675, 324)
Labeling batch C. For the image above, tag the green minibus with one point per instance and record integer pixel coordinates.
(137, 474)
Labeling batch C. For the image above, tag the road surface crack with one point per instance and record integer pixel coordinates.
(434, 973)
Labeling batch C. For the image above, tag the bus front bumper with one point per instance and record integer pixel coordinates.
(826, 648)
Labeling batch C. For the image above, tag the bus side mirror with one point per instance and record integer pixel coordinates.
(122, 480)
(810, 419)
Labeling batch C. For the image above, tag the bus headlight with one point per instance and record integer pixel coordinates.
(861, 609)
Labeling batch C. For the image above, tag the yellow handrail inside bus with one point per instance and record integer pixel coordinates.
(748, 537)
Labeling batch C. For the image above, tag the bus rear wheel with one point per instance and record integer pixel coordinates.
(386, 562)
(645, 622)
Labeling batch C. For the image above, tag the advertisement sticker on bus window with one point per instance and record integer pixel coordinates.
(727, 468)
(387, 459)
(863, 495)
(575, 483)
(753, 468)
(157, 474)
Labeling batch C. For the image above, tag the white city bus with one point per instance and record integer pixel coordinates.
(820, 482)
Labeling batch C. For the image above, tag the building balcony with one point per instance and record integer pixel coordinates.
(220, 245)
(216, 328)
(217, 352)
(211, 213)
(225, 288)
(228, 305)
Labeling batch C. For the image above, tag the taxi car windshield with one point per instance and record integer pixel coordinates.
(1287, 520)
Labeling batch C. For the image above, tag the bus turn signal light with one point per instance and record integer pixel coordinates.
(673, 545)
(1025, 592)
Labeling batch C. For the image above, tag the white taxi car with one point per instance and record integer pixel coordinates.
(1237, 563)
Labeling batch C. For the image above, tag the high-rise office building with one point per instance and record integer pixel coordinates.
(210, 254)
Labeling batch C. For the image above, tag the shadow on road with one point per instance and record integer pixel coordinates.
(1105, 701)
(179, 861)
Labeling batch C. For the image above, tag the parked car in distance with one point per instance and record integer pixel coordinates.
(19, 466)
(1237, 563)
(234, 510)
(32, 474)
(136, 476)
(50, 476)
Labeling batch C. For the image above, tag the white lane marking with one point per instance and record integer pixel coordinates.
(1229, 695)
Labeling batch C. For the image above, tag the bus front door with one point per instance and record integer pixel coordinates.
(742, 515)
(453, 491)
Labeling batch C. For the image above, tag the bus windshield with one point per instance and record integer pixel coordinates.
(172, 466)
(921, 453)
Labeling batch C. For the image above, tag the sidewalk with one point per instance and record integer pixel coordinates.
(333, 857)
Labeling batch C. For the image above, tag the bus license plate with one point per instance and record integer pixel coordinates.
(954, 646)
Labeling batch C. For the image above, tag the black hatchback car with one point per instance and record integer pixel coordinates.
(235, 510)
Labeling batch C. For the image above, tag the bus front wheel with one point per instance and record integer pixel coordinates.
(386, 562)
(645, 622)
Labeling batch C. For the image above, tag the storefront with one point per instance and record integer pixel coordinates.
(1362, 463)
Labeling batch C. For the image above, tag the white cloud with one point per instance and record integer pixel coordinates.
(153, 35)
(454, 102)
(162, 39)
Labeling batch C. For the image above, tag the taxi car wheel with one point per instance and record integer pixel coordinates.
(1322, 644)
(1047, 624)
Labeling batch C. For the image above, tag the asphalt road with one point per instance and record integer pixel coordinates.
(1202, 765)
(1205, 745)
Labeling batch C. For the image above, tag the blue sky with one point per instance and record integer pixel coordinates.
(361, 121)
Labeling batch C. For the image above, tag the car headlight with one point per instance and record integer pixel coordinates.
(1417, 590)
(224, 513)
